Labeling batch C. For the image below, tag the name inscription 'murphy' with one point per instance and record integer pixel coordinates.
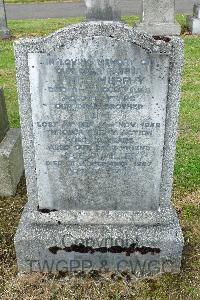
(98, 121)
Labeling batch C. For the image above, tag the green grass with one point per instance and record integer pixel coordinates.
(186, 198)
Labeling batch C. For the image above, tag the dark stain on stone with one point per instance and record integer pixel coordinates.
(114, 249)
(45, 210)
(54, 249)
(162, 38)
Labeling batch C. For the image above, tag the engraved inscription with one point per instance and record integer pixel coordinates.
(99, 122)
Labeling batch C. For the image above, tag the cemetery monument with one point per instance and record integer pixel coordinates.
(158, 18)
(194, 21)
(99, 108)
(103, 10)
(4, 31)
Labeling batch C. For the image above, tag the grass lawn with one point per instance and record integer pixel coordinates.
(186, 197)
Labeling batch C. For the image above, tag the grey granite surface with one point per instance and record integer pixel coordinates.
(99, 108)
(99, 151)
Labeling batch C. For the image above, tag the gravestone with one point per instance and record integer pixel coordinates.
(194, 21)
(103, 10)
(99, 107)
(3, 116)
(11, 159)
(158, 18)
(4, 31)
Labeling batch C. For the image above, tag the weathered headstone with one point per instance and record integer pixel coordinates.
(4, 31)
(194, 21)
(158, 18)
(103, 10)
(3, 116)
(99, 107)
(11, 159)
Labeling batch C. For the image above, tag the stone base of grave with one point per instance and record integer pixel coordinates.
(11, 162)
(160, 29)
(193, 25)
(4, 33)
(143, 243)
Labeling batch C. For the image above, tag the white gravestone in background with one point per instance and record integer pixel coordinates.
(4, 31)
(158, 18)
(103, 9)
(194, 21)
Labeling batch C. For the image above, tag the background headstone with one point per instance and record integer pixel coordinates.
(99, 107)
(3, 116)
(158, 18)
(197, 10)
(11, 158)
(194, 21)
(4, 31)
(103, 10)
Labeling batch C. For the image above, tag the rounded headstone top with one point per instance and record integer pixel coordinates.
(94, 29)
